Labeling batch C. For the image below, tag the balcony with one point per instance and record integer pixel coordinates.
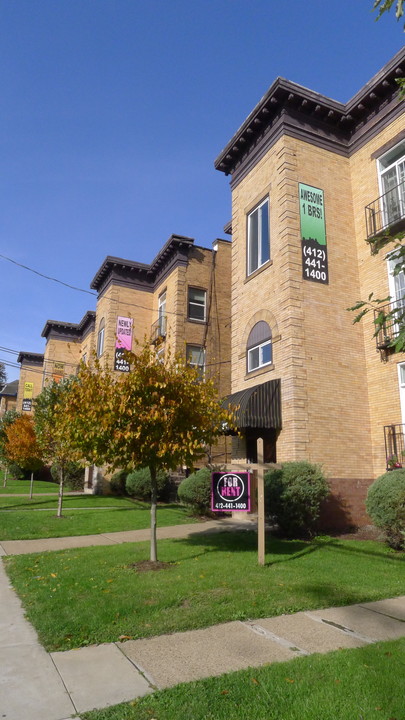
(386, 213)
(394, 446)
(393, 322)
(158, 330)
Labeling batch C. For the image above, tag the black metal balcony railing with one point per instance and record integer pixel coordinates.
(389, 320)
(394, 446)
(158, 329)
(386, 211)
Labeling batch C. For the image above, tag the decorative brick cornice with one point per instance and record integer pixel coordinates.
(31, 358)
(288, 108)
(60, 330)
(140, 275)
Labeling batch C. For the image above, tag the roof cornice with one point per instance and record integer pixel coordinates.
(33, 358)
(141, 275)
(68, 330)
(287, 102)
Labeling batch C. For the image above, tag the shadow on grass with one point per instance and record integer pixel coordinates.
(286, 550)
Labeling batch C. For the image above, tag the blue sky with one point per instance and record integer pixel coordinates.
(113, 112)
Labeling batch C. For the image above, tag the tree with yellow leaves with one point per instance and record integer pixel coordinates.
(159, 415)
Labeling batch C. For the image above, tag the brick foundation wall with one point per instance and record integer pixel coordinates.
(345, 506)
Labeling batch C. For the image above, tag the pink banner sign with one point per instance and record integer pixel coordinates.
(124, 333)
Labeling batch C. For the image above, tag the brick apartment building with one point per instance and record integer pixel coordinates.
(311, 180)
(181, 301)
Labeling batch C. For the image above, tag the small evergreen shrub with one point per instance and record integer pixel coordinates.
(17, 472)
(118, 482)
(138, 485)
(386, 506)
(195, 490)
(74, 475)
(293, 495)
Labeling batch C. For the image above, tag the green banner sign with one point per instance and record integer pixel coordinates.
(313, 234)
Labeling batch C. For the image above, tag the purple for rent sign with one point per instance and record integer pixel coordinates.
(230, 491)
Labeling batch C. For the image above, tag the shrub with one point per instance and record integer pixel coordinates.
(118, 483)
(386, 506)
(17, 472)
(138, 485)
(293, 495)
(74, 475)
(195, 490)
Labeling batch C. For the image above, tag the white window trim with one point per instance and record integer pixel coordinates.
(381, 169)
(198, 365)
(100, 341)
(260, 348)
(401, 387)
(199, 305)
(260, 261)
(162, 312)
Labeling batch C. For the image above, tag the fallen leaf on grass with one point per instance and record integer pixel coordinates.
(125, 637)
(290, 680)
(54, 574)
(224, 692)
(255, 682)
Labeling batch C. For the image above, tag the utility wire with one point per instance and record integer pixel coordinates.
(89, 292)
(47, 277)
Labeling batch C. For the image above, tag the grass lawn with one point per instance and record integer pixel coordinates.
(23, 486)
(92, 595)
(367, 683)
(22, 518)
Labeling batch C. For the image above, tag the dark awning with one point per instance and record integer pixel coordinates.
(258, 406)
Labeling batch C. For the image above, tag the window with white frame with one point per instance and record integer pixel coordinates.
(391, 167)
(401, 380)
(195, 356)
(258, 237)
(100, 338)
(197, 304)
(162, 313)
(259, 347)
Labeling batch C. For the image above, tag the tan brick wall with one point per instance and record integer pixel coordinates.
(382, 377)
(29, 372)
(124, 302)
(58, 351)
(317, 353)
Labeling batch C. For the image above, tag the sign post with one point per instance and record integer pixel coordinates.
(261, 538)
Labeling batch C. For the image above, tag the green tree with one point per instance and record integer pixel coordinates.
(3, 374)
(159, 415)
(51, 427)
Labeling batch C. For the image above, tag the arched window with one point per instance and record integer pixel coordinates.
(259, 352)
(100, 338)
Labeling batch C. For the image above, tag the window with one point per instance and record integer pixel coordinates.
(259, 350)
(195, 356)
(197, 304)
(100, 338)
(258, 237)
(162, 314)
(392, 184)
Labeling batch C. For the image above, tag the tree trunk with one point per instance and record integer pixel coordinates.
(61, 484)
(153, 509)
(31, 485)
(5, 478)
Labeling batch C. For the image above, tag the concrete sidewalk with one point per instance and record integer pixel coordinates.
(35, 685)
(42, 686)
(21, 547)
